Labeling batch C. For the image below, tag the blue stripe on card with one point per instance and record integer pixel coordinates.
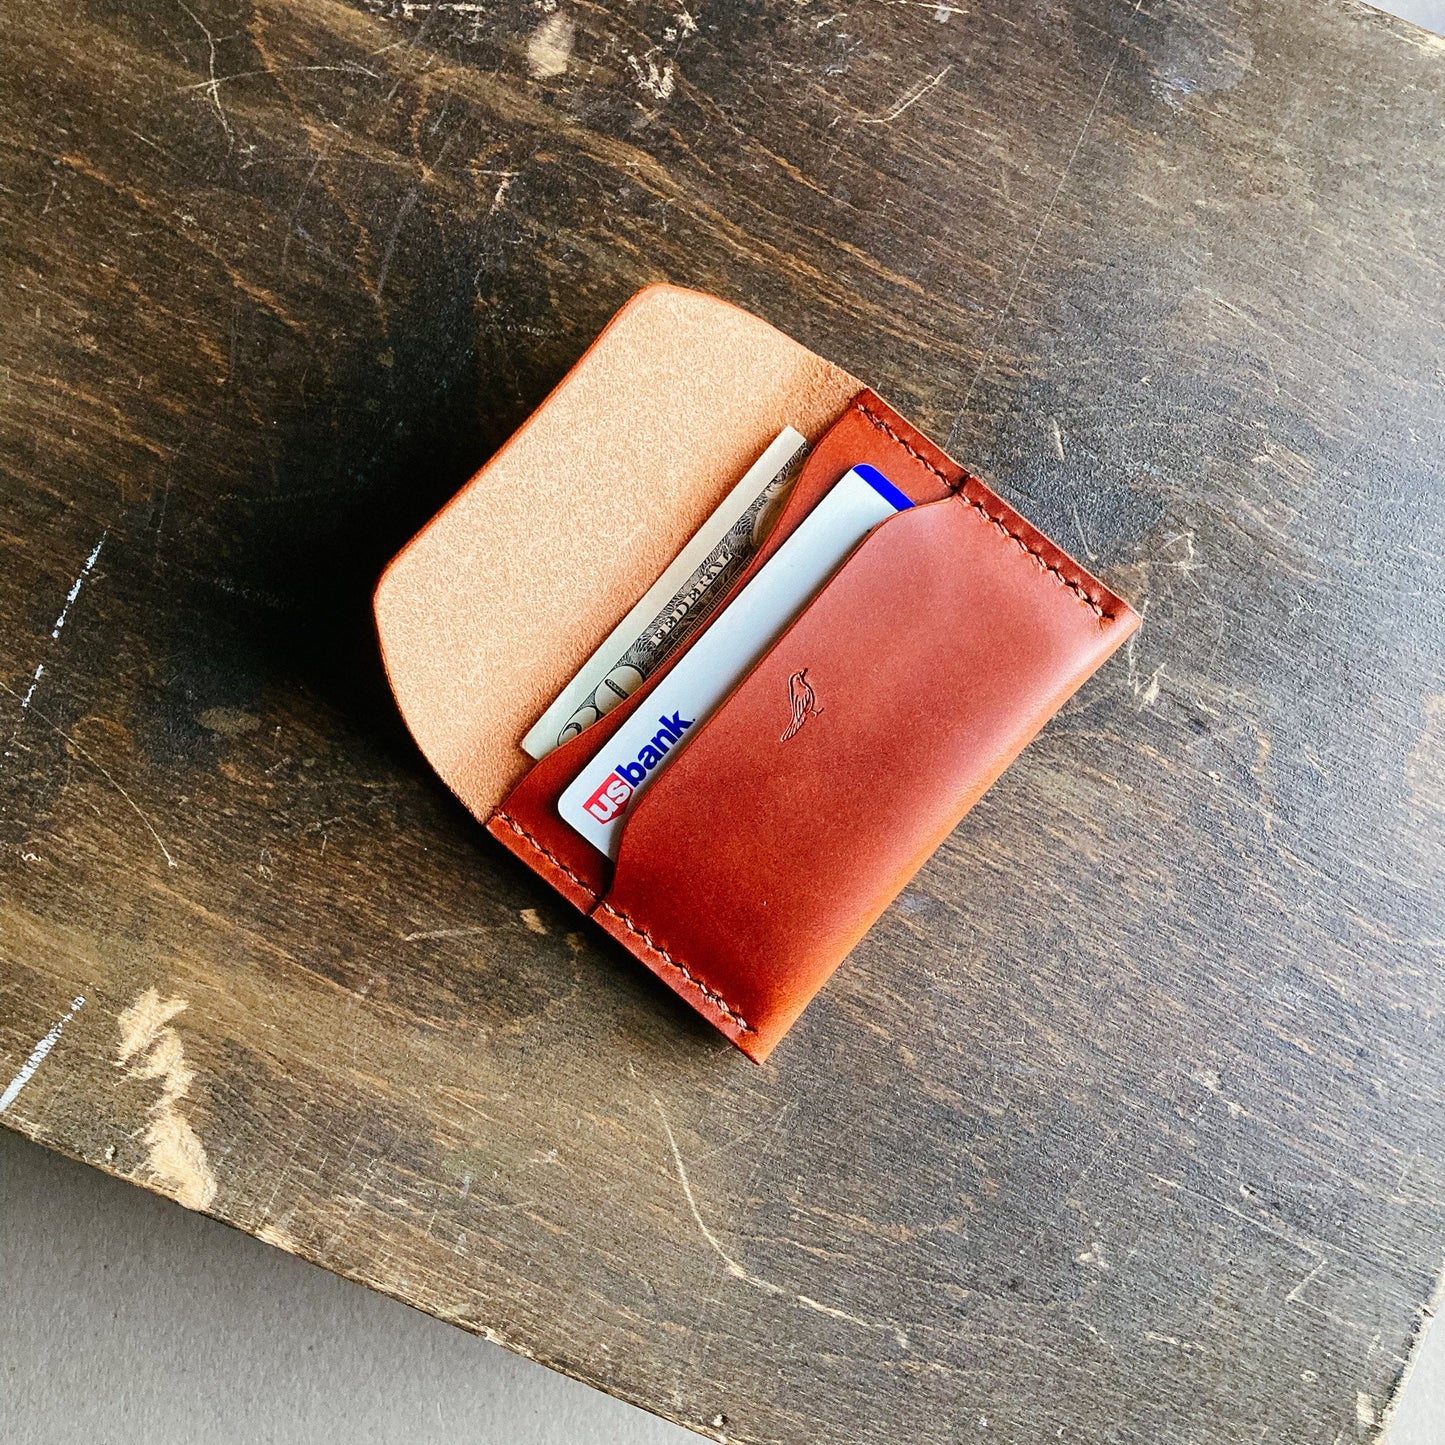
(883, 486)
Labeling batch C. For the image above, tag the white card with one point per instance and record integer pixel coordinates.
(599, 800)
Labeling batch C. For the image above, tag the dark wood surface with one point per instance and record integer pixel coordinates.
(1125, 1123)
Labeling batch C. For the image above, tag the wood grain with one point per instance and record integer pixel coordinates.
(1125, 1123)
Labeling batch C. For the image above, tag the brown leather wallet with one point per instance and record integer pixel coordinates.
(770, 845)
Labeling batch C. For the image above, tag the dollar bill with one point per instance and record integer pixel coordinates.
(679, 602)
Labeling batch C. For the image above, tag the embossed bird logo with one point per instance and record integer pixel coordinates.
(804, 701)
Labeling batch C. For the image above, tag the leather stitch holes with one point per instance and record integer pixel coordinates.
(957, 489)
(545, 851)
(716, 999)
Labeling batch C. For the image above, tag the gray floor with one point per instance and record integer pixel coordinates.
(126, 1320)
(1427, 13)
(1419, 1414)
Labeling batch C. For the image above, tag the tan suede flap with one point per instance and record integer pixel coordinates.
(489, 611)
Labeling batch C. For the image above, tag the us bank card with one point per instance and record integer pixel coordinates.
(599, 799)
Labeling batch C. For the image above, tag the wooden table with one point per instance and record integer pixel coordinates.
(1125, 1123)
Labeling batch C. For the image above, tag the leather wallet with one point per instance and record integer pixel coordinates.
(766, 850)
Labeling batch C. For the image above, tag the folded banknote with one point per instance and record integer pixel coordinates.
(679, 601)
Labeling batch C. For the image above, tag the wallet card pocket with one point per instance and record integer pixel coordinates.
(849, 753)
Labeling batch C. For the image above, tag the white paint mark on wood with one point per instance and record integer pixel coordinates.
(150, 1049)
(550, 47)
(654, 79)
(61, 620)
(410, 11)
(30, 691)
(38, 1054)
(76, 586)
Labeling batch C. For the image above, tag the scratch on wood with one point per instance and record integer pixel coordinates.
(212, 86)
(738, 1271)
(941, 9)
(1145, 689)
(296, 210)
(503, 186)
(733, 1267)
(910, 98)
(1008, 306)
(1426, 1316)
(103, 771)
(407, 206)
(656, 80)
(274, 1235)
(38, 1054)
(1293, 1296)
(1425, 763)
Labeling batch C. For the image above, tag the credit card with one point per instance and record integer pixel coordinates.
(599, 799)
(676, 604)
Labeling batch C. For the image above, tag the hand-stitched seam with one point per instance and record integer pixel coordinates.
(546, 852)
(957, 489)
(713, 998)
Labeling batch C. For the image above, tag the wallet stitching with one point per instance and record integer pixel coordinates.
(957, 489)
(545, 851)
(713, 998)
(716, 999)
